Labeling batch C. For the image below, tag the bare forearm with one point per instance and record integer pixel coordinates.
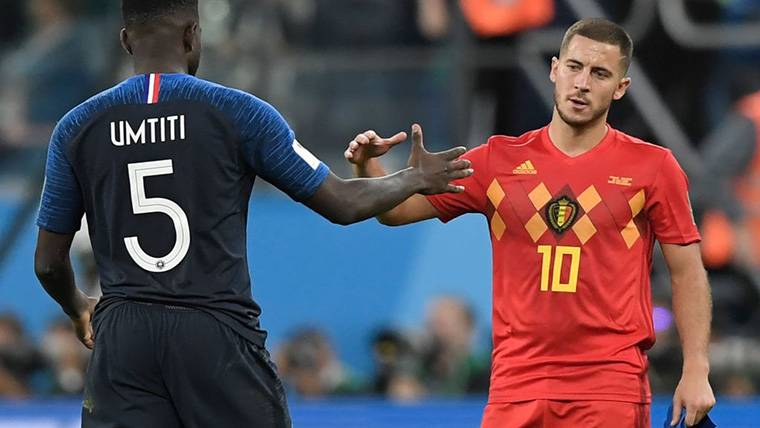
(373, 168)
(692, 307)
(377, 196)
(57, 278)
(350, 201)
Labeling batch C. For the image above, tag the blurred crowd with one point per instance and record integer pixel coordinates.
(442, 358)
(462, 69)
(53, 367)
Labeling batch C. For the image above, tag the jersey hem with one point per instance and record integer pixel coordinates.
(63, 230)
(320, 175)
(442, 215)
(684, 241)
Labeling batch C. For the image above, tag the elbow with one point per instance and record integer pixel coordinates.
(46, 269)
(348, 218)
(342, 220)
(345, 217)
(351, 211)
(389, 221)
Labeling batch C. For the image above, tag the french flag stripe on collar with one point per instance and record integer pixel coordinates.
(154, 87)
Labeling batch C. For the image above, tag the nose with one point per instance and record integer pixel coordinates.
(582, 80)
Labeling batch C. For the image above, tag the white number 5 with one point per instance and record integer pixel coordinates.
(144, 205)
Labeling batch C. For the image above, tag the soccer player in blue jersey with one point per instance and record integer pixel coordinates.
(162, 165)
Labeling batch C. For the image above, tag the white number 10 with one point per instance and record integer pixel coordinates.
(144, 205)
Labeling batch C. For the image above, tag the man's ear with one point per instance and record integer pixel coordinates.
(553, 69)
(190, 37)
(621, 88)
(124, 37)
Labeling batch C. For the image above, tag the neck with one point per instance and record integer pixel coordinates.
(573, 140)
(159, 65)
(159, 55)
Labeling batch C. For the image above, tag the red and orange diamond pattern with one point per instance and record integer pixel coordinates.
(584, 228)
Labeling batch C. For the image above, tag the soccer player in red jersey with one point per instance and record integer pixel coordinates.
(573, 210)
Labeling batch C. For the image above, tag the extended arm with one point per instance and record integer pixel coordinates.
(410, 210)
(53, 268)
(349, 201)
(692, 307)
(362, 153)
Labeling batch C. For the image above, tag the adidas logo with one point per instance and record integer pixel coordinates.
(525, 168)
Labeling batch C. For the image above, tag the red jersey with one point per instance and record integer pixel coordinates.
(572, 241)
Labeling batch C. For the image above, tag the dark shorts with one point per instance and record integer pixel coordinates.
(165, 367)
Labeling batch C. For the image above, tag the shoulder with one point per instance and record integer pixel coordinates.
(509, 142)
(651, 160)
(221, 96)
(245, 110)
(77, 118)
(505, 148)
(640, 147)
(633, 143)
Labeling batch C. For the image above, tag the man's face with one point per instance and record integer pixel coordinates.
(587, 77)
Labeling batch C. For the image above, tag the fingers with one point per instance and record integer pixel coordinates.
(459, 164)
(676, 412)
(349, 153)
(365, 137)
(454, 153)
(454, 189)
(460, 173)
(353, 146)
(696, 414)
(398, 138)
(371, 137)
(691, 416)
(417, 143)
(89, 338)
(83, 328)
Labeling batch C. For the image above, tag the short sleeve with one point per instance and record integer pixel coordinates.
(668, 206)
(274, 153)
(61, 206)
(473, 199)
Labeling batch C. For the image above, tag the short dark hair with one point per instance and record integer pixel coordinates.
(143, 11)
(604, 31)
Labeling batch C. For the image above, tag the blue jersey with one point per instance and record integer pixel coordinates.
(163, 166)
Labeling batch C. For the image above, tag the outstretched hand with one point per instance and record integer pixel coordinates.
(437, 170)
(368, 145)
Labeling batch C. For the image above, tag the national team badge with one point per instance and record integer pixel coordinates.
(561, 213)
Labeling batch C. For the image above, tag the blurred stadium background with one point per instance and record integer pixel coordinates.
(377, 327)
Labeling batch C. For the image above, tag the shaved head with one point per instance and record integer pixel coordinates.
(139, 12)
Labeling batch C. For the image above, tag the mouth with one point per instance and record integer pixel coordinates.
(578, 103)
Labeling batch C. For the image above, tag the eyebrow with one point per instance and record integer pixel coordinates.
(601, 69)
(595, 68)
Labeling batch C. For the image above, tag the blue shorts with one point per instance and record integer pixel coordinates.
(166, 366)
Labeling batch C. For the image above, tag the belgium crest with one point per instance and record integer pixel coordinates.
(561, 213)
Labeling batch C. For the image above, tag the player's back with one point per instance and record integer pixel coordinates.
(165, 165)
